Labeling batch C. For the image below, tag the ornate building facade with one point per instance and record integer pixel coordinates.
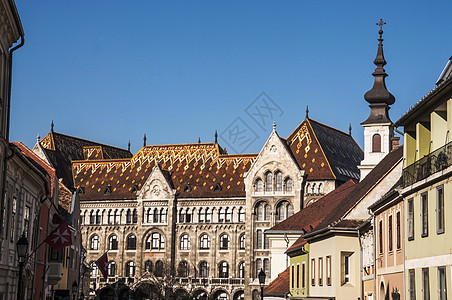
(193, 217)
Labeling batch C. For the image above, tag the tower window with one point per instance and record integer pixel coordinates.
(376, 143)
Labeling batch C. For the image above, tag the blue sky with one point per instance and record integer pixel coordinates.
(111, 71)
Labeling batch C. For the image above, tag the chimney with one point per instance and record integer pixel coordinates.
(395, 142)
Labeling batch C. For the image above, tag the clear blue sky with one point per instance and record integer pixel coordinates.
(111, 71)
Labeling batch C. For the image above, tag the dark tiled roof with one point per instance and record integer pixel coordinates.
(64, 197)
(300, 242)
(194, 170)
(325, 152)
(279, 286)
(310, 216)
(362, 188)
(62, 149)
(40, 164)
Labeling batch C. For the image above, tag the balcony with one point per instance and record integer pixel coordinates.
(55, 273)
(436, 161)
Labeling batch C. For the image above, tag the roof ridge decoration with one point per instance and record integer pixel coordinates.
(379, 97)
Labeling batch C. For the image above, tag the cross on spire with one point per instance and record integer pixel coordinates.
(381, 23)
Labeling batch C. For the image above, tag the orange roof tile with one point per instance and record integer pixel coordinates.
(279, 286)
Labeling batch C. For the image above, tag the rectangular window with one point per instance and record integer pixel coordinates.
(345, 267)
(425, 284)
(410, 219)
(440, 209)
(328, 270)
(442, 290)
(380, 236)
(292, 277)
(412, 287)
(390, 234)
(320, 271)
(398, 230)
(313, 272)
(424, 216)
(303, 275)
(298, 276)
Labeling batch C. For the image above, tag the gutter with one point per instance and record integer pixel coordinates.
(8, 106)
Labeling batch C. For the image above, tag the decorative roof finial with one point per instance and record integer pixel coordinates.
(38, 138)
(216, 137)
(199, 140)
(307, 112)
(51, 127)
(274, 126)
(128, 146)
(144, 140)
(350, 129)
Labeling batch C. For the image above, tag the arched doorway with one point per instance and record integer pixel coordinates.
(239, 295)
(220, 295)
(107, 293)
(200, 295)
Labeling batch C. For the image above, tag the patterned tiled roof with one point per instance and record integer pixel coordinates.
(195, 170)
(62, 149)
(325, 152)
(279, 286)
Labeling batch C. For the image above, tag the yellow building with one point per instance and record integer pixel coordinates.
(299, 269)
(426, 188)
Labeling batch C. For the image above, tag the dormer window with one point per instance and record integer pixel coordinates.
(217, 187)
(135, 189)
(107, 190)
(81, 190)
(187, 188)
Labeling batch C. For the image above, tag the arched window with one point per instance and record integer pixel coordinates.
(289, 210)
(223, 270)
(95, 270)
(135, 216)
(278, 181)
(221, 215)
(258, 266)
(228, 215)
(224, 242)
(201, 216)
(284, 210)
(149, 215)
(266, 212)
(289, 185)
(112, 268)
(158, 242)
(94, 242)
(208, 215)
(113, 242)
(259, 185)
(188, 216)
(267, 267)
(181, 216)
(256, 295)
(92, 218)
(241, 214)
(242, 269)
(376, 143)
(259, 239)
(111, 217)
(148, 266)
(242, 242)
(203, 269)
(158, 268)
(98, 217)
(163, 215)
(130, 269)
(131, 242)
(182, 269)
(320, 189)
(128, 217)
(156, 215)
(266, 241)
(259, 211)
(268, 182)
(185, 242)
(117, 216)
(204, 242)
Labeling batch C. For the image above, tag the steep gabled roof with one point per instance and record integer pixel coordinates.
(325, 152)
(195, 170)
(309, 217)
(279, 286)
(360, 190)
(40, 164)
(61, 149)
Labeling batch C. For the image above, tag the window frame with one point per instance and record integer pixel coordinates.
(440, 216)
(424, 214)
(410, 219)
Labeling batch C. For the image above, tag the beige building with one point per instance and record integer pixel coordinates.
(426, 189)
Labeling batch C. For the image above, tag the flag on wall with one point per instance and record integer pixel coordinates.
(102, 263)
(60, 237)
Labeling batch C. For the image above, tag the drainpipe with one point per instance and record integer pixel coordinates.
(375, 253)
(8, 105)
(361, 290)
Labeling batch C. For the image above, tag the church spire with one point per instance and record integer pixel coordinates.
(216, 137)
(51, 127)
(144, 140)
(128, 146)
(379, 97)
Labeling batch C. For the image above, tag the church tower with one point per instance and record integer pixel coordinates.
(378, 128)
